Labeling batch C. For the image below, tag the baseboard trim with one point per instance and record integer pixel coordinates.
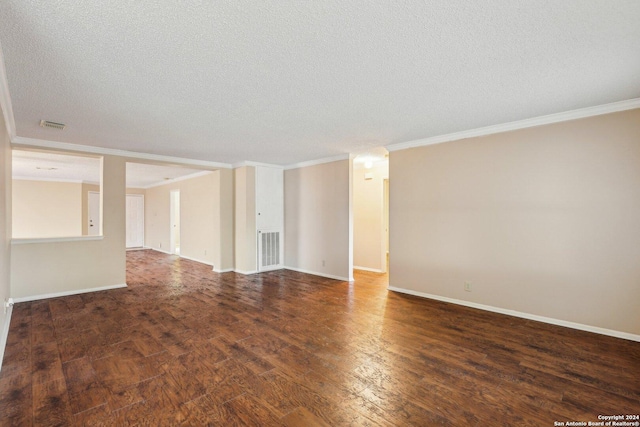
(5, 333)
(246, 273)
(528, 316)
(67, 293)
(373, 270)
(196, 260)
(315, 273)
(158, 250)
(190, 259)
(226, 270)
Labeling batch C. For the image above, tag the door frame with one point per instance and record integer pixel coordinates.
(385, 224)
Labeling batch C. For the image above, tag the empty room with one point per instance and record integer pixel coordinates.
(320, 213)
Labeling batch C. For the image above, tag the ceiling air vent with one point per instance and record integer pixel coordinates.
(47, 124)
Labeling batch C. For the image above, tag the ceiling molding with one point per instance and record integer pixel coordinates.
(5, 99)
(581, 113)
(317, 162)
(65, 146)
(180, 178)
(249, 163)
(31, 178)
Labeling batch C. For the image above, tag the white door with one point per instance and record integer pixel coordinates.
(135, 220)
(269, 198)
(270, 217)
(93, 218)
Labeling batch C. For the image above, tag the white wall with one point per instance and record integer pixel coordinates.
(245, 220)
(46, 209)
(5, 231)
(369, 250)
(224, 220)
(542, 221)
(317, 219)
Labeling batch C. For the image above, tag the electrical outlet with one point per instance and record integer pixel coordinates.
(205, 251)
(467, 286)
(323, 263)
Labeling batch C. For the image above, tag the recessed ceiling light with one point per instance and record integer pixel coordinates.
(46, 169)
(48, 124)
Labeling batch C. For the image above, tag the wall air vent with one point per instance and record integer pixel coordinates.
(268, 250)
(47, 124)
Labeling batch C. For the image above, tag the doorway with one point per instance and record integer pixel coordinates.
(370, 211)
(174, 221)
(385, 225)
(93, 217)
(135, 221)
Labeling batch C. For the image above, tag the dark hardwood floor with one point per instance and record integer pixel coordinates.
(183, 345)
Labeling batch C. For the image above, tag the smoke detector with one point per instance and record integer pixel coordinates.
(48, 124)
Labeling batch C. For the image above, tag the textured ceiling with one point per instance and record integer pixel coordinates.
(38, 165)
(285, 82)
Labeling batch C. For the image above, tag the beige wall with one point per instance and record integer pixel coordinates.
(245, 220)
(141, 191)
(543, 221)
(368, 204)
(317, 223)
(47, 268)
(46, 209)
(5, 228)
(205, 234)
(197, 201)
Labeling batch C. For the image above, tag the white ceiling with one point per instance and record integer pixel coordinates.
(46, 166)
(285, 82)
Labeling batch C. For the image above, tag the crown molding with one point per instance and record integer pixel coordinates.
(44, 179)
(65, 146)
(581, 113)
(249, 163)
(5, 99)
(317, 162)
(178, 179)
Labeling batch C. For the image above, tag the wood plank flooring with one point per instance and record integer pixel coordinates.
(183, 345)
